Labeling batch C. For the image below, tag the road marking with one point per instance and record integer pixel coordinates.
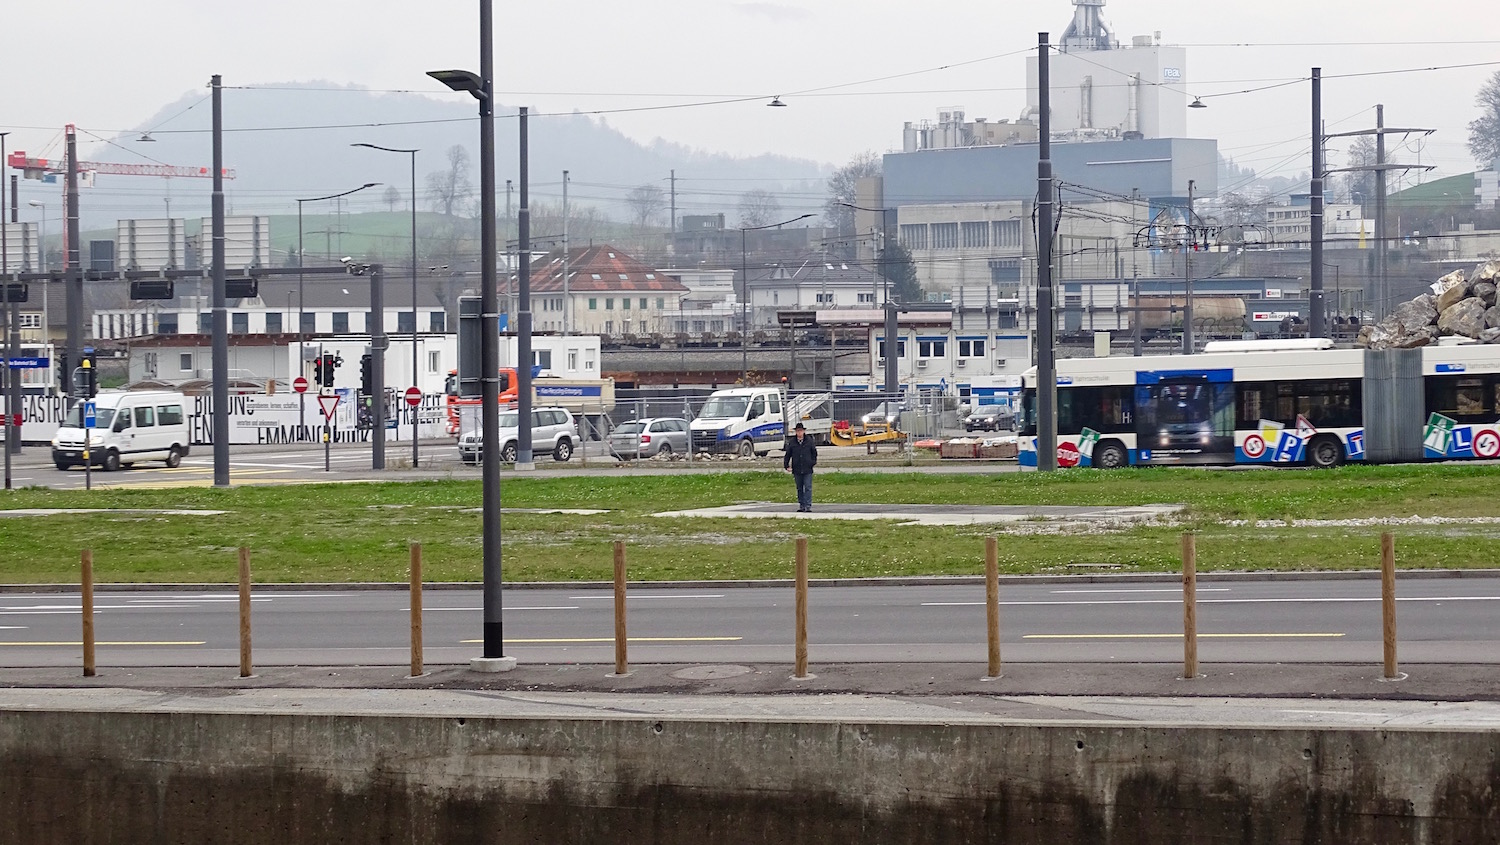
(12, 627)
(38, 644)
(1132, 592)
(1307, 635)
(628, 639)
(632, 596)
(507, 608)
(1330, 600)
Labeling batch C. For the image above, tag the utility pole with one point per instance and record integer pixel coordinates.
(73, 264)
(1381, 292)
(567, 323)
(674, 202)
(220, 314)
(1187, 274)
(523, 312)
(1046, 372)
(1315, 323)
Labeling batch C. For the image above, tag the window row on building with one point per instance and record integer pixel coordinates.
(115, 324)
(984, 234)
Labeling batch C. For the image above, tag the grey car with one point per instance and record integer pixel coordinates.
(647, 438)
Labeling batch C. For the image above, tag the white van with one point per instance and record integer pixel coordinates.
(129, 427)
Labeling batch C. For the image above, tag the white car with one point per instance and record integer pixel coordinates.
(552, 430)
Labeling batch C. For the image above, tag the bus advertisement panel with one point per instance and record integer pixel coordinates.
(1184, 417)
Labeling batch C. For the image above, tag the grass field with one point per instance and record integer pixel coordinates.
(359, 532)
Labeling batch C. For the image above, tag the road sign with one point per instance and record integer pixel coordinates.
(327, 391)
(413, 396)
(89, 417)
(329, 404)
(299, 384)
(28, 363)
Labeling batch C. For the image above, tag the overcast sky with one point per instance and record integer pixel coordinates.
(108, 65)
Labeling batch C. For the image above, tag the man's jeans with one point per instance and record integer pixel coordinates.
(804, 490)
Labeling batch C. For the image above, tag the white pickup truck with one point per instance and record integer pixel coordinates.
(755, 420)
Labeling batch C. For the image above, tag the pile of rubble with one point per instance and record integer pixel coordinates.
(1460, 305)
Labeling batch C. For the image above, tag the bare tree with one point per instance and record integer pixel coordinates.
(841, 189)
(446, 189)
(759, 208)
(1484, 132)
(1361, 184)
(392, 197)
(646, 203)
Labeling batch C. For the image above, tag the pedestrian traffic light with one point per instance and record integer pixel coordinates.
(329, 365)
(367, 374)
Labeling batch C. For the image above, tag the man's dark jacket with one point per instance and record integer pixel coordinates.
(800, 457)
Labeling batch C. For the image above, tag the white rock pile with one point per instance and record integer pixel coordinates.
(1462, 305)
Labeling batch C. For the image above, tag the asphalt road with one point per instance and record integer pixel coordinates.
(1277, 620)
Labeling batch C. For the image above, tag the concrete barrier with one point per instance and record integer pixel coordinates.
(201, 777)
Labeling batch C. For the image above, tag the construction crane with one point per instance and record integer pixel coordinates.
(36, 168)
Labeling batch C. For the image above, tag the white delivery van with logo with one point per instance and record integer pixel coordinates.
(129, 427)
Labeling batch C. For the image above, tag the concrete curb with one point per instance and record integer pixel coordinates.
(906, 581)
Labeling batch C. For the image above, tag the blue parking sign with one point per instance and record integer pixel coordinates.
(1288, 448)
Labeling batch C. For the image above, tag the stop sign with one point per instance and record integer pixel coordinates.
(299, 384)
(413, 396)
(1067, 455)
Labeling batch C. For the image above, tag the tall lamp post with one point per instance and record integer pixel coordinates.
(892, 360)
(301, 398)
(416, 412)
(481, 86)
(745, 295)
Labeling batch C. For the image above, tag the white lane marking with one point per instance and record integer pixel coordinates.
(1132, 592)
(633, 597)
(1331, 600)
(508, 608)
(12, 627)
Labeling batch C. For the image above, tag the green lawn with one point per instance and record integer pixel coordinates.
(359, 532)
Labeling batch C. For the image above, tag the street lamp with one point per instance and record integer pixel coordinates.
(301, 401)
(745, 295)
(481, 87)
(414, 359)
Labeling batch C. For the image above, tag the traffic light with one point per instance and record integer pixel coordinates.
(318, 371)
(64, 375)
(91, 375)
(329, 364)
(367, 374)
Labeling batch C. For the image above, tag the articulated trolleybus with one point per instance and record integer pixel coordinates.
(1280, 403)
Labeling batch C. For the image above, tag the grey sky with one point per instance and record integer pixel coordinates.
(107, 65)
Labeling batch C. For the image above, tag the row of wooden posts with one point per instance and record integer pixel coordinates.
(622, 663)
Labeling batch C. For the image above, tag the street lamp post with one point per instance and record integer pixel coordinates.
(745, 295)
(302, 364)
(416, 412)
(481, 86)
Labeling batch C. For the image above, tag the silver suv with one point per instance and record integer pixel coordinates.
(552, 430)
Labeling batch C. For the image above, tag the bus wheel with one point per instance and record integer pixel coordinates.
(1325, 452)
(1110, 455)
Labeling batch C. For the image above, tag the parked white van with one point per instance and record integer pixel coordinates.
(129, 427)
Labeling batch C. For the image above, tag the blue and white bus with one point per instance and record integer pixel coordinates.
(1280, 402)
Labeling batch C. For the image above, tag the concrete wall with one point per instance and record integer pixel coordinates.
(87, 777)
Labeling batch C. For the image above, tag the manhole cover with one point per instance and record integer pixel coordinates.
(710, 673)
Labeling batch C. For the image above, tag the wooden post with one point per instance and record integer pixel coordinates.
(245, 671)
(992, 601)
(88, 613)
(1189, 606)
(801, 607)
(416, 609)
(1388, 600)
(622, 662)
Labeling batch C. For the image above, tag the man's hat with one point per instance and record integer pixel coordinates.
(799, 427)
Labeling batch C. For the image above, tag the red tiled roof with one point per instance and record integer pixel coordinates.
(598, 268)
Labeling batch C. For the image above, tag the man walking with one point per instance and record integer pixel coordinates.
(799, 459)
